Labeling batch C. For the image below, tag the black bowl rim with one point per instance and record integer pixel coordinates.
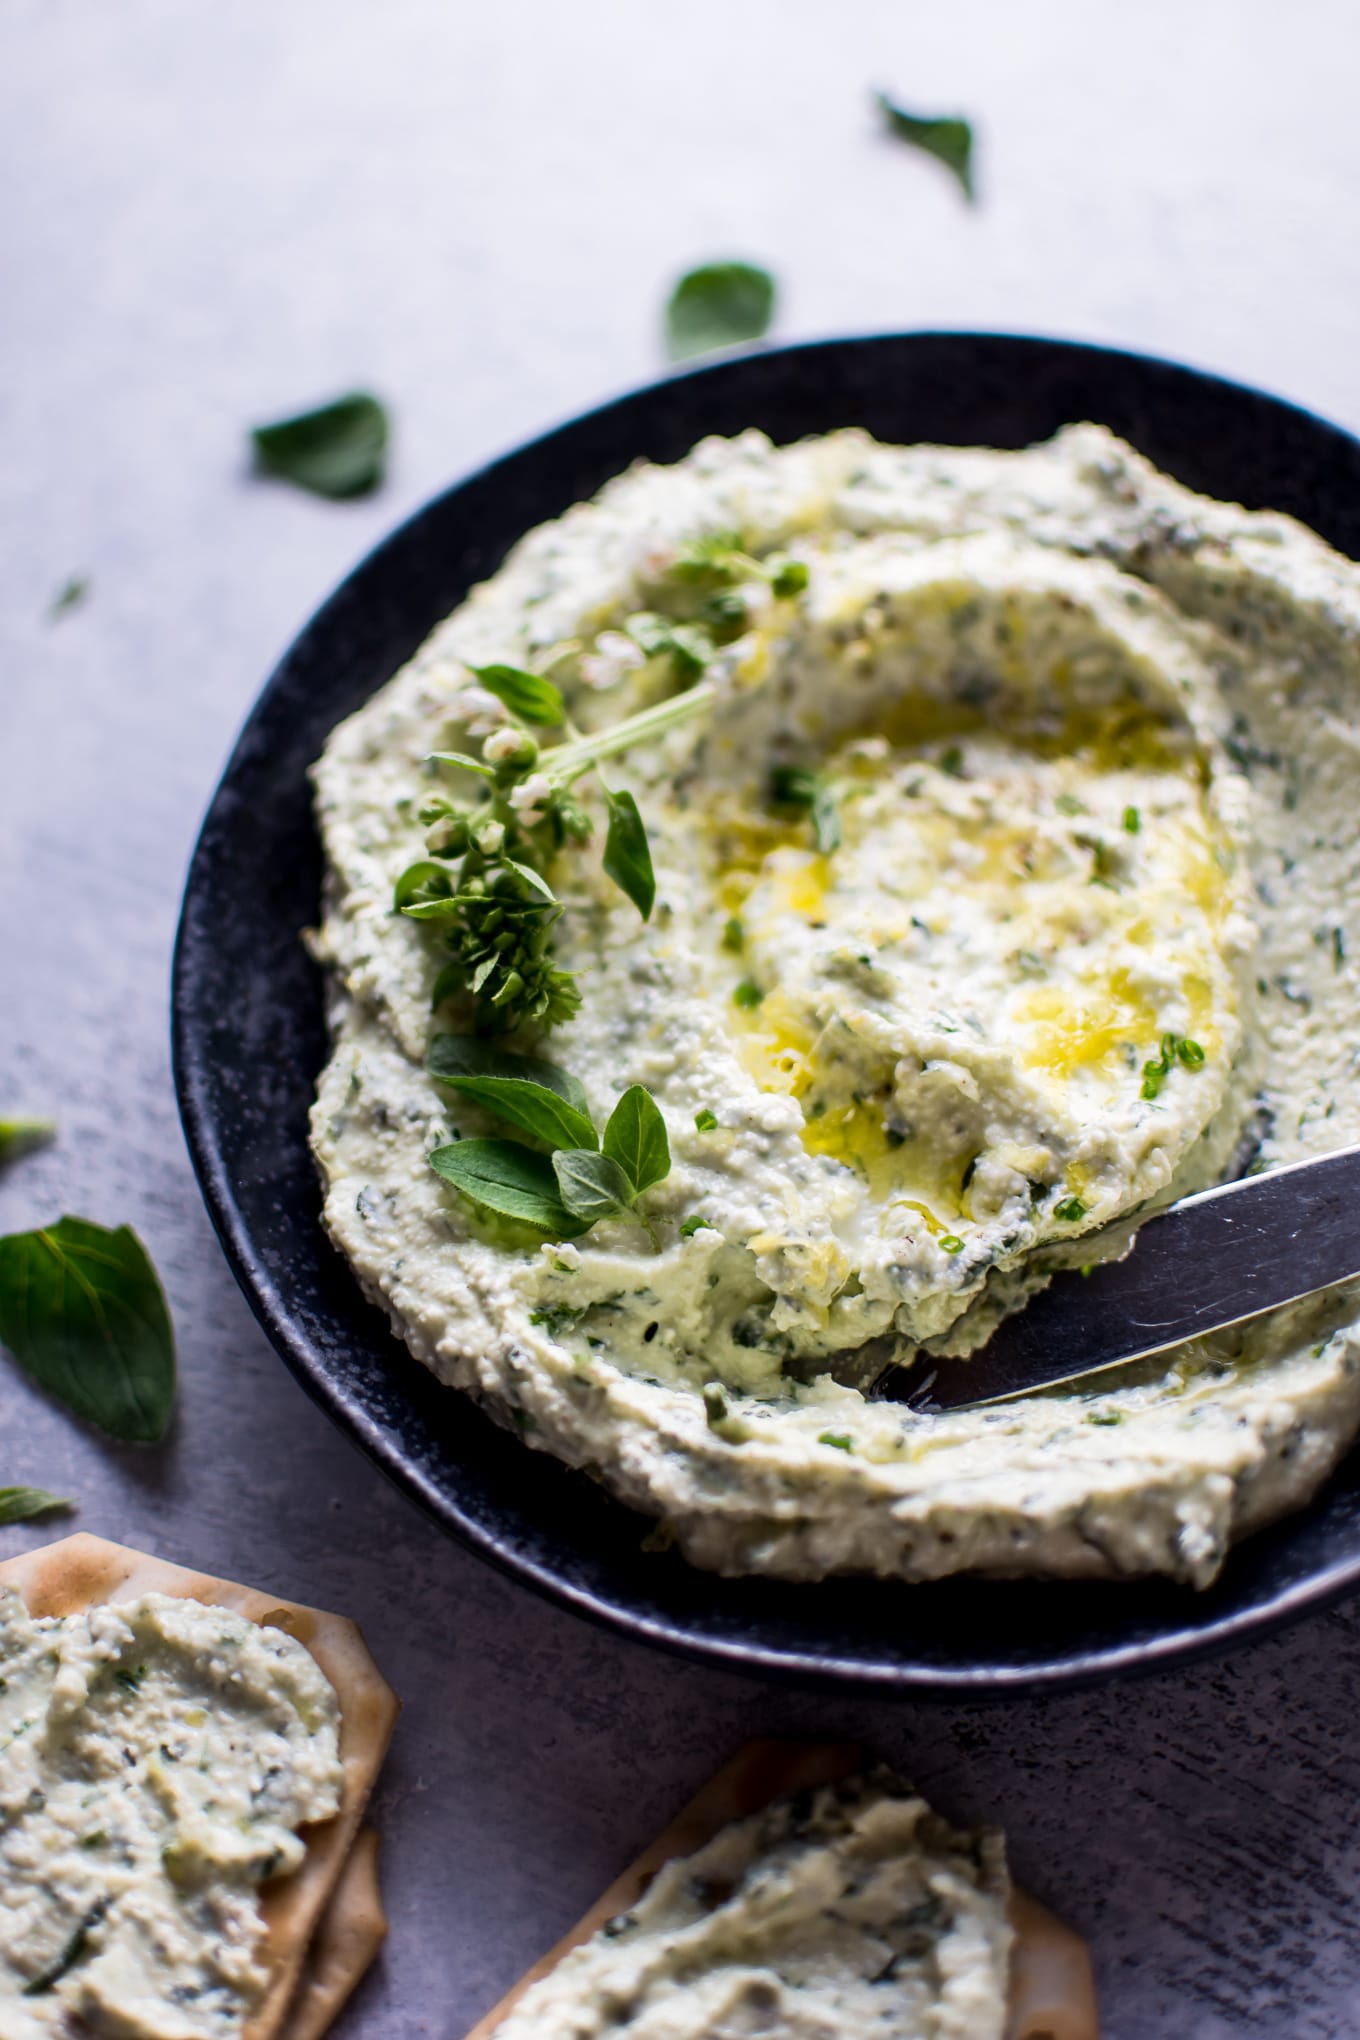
(1178, 1645)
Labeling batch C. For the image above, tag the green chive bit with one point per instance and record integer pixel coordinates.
(734, 936)
(790, 579)
(705, 1121)
(1191, 1054)
(696, 1222)
(1154, 1076)
(747, 994)
(1070, 1210)
(839, 1439)
(1133, 821)
(950, 1243)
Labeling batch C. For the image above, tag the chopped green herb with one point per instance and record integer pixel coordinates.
(69, 596)
(950, 1243)
(747, 994)
(1068, 804)
(693, 1224)
(720, 304)
(705, 1121)
(1104, 1416)
(948, 138)
(951, 761)
(790, 578)
(337, 450)
(1173, 1049)
(82, 1311)
(733, 936)
(1133, 821)
(1069, 1210)
(839, 1439)
(130, 1680)
(1338, 947)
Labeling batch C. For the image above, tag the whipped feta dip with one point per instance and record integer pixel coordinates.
(1078, 940)
(157, 1759)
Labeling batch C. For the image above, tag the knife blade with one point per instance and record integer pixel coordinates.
(1210, 1261)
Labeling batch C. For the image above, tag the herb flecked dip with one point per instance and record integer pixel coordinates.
(796, 902)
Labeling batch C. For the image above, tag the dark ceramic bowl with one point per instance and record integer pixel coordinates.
(249, 1038)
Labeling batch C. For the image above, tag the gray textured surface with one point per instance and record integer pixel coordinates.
(214, 213)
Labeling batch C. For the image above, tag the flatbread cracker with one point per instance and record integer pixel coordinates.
(1052, 1994)
(348, 1936)
(78, 1572)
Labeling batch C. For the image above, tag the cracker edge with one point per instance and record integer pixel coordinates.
(348, 1935)
(1051, 1994)
(84, 1571)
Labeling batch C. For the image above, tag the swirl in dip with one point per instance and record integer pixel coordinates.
(1001, 890)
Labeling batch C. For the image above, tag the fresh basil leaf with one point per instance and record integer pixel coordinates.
(527, 695)
(592, 1186)
(535, 1096)
(69, 596)
(425, 872)
(720, 304)
(340, 449)
(513, 1181)
(21, 1136)
(82, 1311)
(636, 1139)
(17, 1504)
(628, 854)
(948, 138)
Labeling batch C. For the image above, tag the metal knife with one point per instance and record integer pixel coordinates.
(1213, 1260)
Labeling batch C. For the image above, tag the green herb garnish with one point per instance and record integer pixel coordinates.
(951, 761)
(82, 1311)
(720, 304)
(69, 596)
(705, 1121)
(18, 1504)
(840, 1439)
(496, 910)
(510, 1180)
(1069, 1210)
(1174, 1048)
(583, 1178)
(948, 138)
(22, 1136)
(338, 450)
(1133, 821)
(693, 1224)
(950, 1243)
(795, 789)
(747, 994)
(733, 936)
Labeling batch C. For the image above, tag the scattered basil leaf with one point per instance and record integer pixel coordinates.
(338, 450)
(69, 596)
(705, 1121)
(720, 304)
(948, 138)
(628, 854)
(82, 1311)
(636, 1139)
(527, 695)
(21, 1136)
(17, 1504)
(537, 1097)
(592, 1186)
(508, 1179)
(693, 1224)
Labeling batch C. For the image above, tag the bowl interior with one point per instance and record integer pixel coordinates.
(249, 1035)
